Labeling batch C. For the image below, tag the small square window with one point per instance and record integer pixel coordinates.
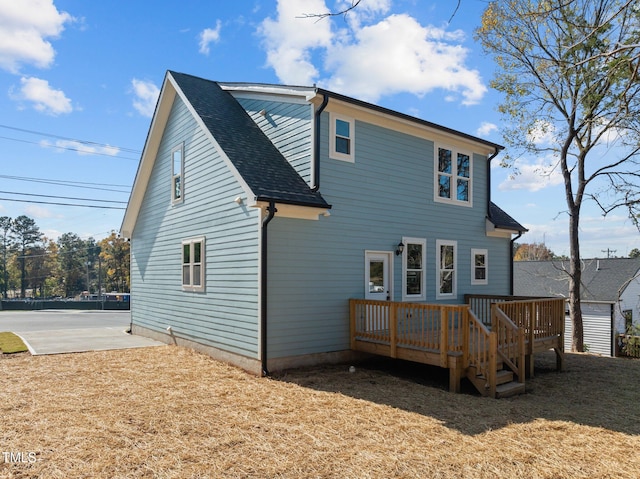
(342, 138)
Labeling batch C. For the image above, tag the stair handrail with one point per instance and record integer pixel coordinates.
(510, 341)
(482, 352)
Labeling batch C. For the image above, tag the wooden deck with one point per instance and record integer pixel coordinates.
(496, 358)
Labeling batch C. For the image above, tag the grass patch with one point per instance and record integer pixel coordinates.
(11, 343)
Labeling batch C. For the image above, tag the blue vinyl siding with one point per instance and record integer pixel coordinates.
(226, 314)
(288, 126)
(388, 193)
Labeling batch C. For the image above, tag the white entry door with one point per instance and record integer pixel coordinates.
(377, 275)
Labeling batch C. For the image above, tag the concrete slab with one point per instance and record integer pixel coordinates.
(82, 340)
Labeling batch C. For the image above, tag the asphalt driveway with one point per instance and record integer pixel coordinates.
(68, 331)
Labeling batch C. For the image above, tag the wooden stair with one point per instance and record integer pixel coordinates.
(506, 385)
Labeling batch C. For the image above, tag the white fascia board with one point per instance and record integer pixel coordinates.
(405, 125)
(294, 211)
(148, 158)
(494, 232)
(259, 90)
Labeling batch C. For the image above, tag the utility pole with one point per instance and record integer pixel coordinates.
(608, 251)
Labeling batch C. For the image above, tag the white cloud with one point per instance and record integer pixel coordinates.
(535, 176)
(486, 128)
(368, 60)
(39, 212)
(289, 40)
(146, 96)
(44, 98)
(25, 26)
(82, 148)
(208, 36)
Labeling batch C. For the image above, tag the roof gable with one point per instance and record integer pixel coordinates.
(261, 165)
(257, 163)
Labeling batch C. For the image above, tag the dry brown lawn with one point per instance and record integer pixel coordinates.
(169, 412)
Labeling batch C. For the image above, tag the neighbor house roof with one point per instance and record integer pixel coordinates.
(602, 279)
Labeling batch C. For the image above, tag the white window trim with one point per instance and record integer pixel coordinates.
(474, 252)
(174, 200)
(454, 285)
(454, 175)
(191, 287)
(405, 255)
(336, 155)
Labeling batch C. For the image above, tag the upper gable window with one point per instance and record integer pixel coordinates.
(453, 176)
(177, 174)
(341, 138)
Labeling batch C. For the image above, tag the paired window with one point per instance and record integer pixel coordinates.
(341, 133)
(193, 264)
(446, 260)
(453, 176)
(413, 261)
(177, 174)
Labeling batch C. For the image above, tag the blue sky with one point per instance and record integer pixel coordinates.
(79, 80)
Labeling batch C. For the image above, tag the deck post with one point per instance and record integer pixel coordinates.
(521, 357)
(393, 328)
(444, 339)
(352, 323)
(493, 363)
(455, 376)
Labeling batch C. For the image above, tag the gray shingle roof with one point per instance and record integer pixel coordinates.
(602, 279)
(501, 219)
(265, 170)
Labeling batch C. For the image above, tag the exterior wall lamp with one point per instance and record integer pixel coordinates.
(399, 249)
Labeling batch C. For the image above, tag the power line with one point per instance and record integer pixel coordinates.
(84, 142)
(62, 197)
(96, 153)
(64, 204)
(71, 184)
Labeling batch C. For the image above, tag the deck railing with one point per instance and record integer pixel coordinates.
(433, 327)
(481, 353)
(510, 341)
(480, 304)
(539, 318)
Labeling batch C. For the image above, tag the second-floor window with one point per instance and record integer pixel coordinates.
(177, 174)
(453, 176)
(341, 138)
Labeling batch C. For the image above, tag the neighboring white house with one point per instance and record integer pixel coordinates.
(610, 295)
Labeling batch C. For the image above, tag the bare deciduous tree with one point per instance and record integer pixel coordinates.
(568, 70)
